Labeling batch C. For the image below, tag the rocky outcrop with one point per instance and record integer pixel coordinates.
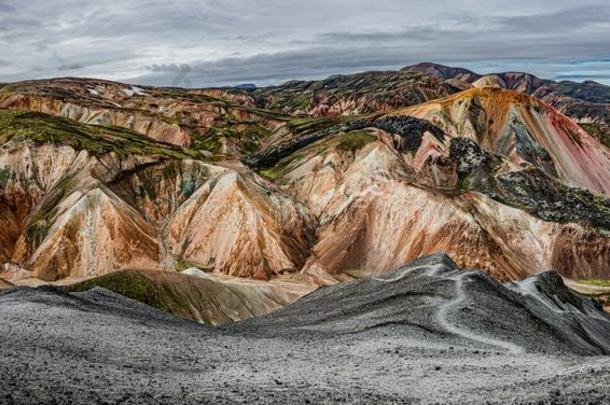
(526, 131)
(529, 189)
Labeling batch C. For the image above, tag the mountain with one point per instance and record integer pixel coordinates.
(198, 296)
(541, 313)
(426, 333)
(443, 72)
(400, 185)
(221, 122)
(497, 179)
(86, 200)
(360, 93)
(587, 103)
(384, 237)
(525, 130)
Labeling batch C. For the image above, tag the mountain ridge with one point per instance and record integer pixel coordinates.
(165, 179)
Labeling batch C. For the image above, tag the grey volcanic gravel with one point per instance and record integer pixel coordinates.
(427, 333)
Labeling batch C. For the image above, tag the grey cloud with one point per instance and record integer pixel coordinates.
(561, 21)
(70, 66)
(212, 42)
(170, 67)
(580, 77)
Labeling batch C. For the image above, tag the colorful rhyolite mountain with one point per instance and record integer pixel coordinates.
(258, 196)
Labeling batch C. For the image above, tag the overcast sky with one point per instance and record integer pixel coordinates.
(223, 42)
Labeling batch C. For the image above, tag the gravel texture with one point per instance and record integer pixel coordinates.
(427, 333)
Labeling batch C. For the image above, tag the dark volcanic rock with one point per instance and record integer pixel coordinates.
(426, 333)
(530, 189)
(409, 129)
(433, 298)
(575, 317)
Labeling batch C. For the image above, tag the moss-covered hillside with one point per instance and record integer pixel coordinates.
(98, 140)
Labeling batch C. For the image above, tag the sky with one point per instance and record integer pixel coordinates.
(202, 43)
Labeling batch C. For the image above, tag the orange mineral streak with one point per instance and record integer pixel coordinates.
(94, 233)
(485, 115)
(232, 226)
(380, 210)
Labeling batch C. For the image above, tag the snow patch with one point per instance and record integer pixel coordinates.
(134, 90)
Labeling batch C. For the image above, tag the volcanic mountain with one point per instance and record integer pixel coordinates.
(256, 189)
(400, 237)
(587, 103)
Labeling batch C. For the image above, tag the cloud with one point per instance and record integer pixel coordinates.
(70, 66)
(571, 19)
(583, 76)
(219, 42)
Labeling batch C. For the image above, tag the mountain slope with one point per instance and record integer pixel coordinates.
(196, 296)
(497, 179)
(404, 186)
(443, 72)
(360, 93)
(587, 103)
(525, 130)
(86, 200)
(432, 298)
(425, 333)
(219, 123)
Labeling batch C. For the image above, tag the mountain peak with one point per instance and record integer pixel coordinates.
(443, 72)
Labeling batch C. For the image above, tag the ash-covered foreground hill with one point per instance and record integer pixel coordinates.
(426, 333)
(266, 194)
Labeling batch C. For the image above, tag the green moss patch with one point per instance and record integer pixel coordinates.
(355, 140)
(304, 126)
(6, 174)
(137, 286)
(598, 131)
(595, 282)
(98, 140)
(182, 265)
(39, 224)
(349, 142)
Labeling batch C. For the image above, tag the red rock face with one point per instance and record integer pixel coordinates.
(506, 122)
(379, 210)
(353, 201)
